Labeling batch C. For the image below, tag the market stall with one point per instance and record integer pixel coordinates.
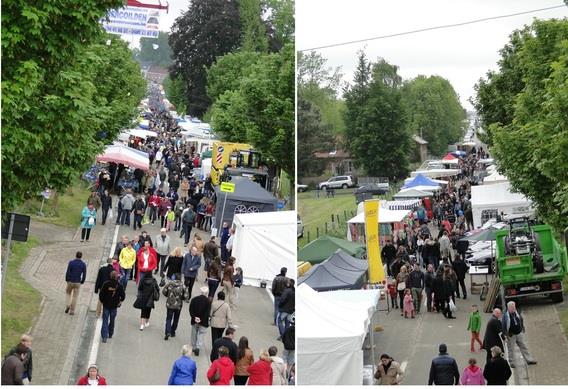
(339, 271)
(488, 201)
(125, 155)
(412, 193)
(320, 249)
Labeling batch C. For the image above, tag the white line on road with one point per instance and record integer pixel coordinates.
(96, 336)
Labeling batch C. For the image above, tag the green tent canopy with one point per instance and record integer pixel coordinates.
(322, 248)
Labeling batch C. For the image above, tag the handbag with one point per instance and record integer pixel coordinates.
(156, 294)
(91, 221)
(453, 307)
(216, 377)
(110, 214)
(401, 286)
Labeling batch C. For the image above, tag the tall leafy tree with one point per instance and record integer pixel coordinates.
(280, 23)
(155, 51)
(376, 134)
(434, 111)
(532, 149)
(253, 28)
(208, 30)
(65, 92)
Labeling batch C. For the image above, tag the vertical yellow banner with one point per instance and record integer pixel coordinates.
(376, 271)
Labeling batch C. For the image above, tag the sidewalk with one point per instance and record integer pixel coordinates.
(57, 336)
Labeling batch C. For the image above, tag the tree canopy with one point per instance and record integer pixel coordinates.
(376, 134)
(208, 30)
(434, 112)
(155, 51)
(65, 93)
(528, 125)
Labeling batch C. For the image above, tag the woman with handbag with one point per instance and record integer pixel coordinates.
(220, 317)
(88, 221)
(401, 281)
(222, 370)
(148, 292)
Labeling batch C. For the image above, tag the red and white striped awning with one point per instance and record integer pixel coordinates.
(125, 155)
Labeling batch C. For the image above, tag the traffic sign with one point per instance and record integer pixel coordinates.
(227, 187)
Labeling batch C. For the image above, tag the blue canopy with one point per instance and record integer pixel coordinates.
(420, 180)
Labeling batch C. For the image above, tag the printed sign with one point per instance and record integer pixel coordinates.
(227, 187)
(132, 20)
(376, 271)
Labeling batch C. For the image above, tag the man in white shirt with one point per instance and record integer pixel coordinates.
(229, 244)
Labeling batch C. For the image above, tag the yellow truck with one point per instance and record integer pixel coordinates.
(236, 159)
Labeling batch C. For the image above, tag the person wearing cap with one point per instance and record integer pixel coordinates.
(444, 369)
(175, 293)
(278, 286)
(92, 377)
(388, 371)
(199, 310)
(162, 246)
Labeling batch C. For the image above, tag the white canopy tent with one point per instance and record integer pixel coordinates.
(264, 243)
(412, 193)
(488, 201)
(140, 133)
(432, 173)
(330, 337)
(385, 216)
(494, 178)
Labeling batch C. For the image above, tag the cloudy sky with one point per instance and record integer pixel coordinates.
(460, 54)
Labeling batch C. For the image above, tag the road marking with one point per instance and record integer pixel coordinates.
(96, 336)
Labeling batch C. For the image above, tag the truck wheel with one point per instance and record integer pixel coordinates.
(557, 297)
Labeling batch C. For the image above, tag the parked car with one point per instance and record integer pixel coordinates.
(374, 188)
(300, 228)
(337, 182)
(302, 187)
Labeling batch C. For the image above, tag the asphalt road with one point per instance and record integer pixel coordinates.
(134, 357)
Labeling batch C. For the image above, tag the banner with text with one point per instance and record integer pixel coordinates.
(132, 20)
(376, 270)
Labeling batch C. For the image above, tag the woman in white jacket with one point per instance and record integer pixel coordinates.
(278, 367)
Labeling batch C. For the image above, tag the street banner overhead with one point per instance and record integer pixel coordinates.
(132, 20)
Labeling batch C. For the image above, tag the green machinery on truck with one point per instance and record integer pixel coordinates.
(529, 261)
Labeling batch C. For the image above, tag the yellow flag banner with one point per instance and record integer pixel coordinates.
(376, 271)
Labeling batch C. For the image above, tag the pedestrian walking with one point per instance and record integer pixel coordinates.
(416, 285)
(279, 375)
(401, 285)
(388, 371)
(106, 205)
(170, 218)
(13, 366)
(127, 203)
(162, 246)
(220, 317)
(224, 252)
(460, 268)
(289, 342)
(92, 377)
(110, 296)
(474, 325)
(408, 304)
(138, 209)
(88, 221)
(514, 330)
(493, 332)
(126, 260)
(190, 267)
(148, 293)
(497, 371)
(228, 342)
(214, 277)
(199, 310)
(184, 370)
(147, 261)
(175, 295)
(444, 369)
(75, 277)
(286, 307)
(174, 263)
(228, 281)
(472, 374)
(278, 286)
(102, 276)
(429, 286)
(26, 341)
(210, 251)
(260, 372)
(187, 218)
(245, 358)
(222, 370)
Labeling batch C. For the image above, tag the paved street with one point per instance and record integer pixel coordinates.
(144, 357)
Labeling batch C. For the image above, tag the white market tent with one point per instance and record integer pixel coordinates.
(140, 133)
(264, 243)
(432, 173)
(412, 193)
(494, 178)
(496, 198)
(385, 216)
(331, 334)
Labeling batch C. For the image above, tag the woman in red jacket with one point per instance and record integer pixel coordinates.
(147, 260)
(222, 370)
(260, 372)
(92, 377)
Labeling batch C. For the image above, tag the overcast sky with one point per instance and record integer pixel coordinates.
(461, 54)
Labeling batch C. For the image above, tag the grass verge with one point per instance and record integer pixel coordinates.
(20, 302)
(63, 209)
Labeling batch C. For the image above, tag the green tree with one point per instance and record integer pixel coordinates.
(434, 112)
(312, 135)
(376, 136)
(155, 51)
(208, 30)
(280, 23)
(65, 93)
(175, 93)
(229, 71)
(532, 148)
(254, 30)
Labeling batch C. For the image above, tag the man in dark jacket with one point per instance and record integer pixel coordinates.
(444, 369)
(289, 341)
(429, 286)
(287, 306)
(278, 286)
(190, 267)
(228, 342)
(102, 277)
(26, 341)
(416, 285)
(75, 277)
(111, 296)
(13, 367)
(388, 254)
(199, 310)
(210, 251)
(460, 268)
(138, 208)
(493, 333)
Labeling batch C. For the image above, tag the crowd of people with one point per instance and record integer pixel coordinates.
(173, 197)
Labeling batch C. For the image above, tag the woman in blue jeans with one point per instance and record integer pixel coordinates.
(213, 277)
(110, 295)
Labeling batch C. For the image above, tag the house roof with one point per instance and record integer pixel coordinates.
(419, 140)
